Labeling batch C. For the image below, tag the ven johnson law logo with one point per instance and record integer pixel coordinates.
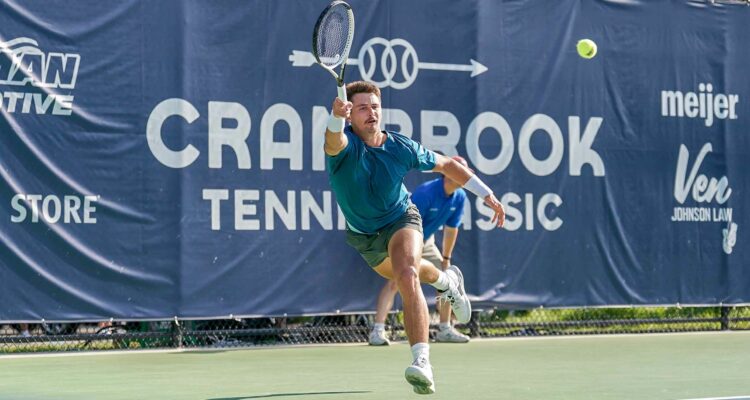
(708, 193)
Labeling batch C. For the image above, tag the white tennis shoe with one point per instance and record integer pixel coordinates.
(456, 295)
(450, 335)
(378, 338)
(419, 375)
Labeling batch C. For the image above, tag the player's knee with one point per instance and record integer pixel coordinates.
(407, 275)
(411, 260)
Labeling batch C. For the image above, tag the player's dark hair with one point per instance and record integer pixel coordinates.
(361, 87)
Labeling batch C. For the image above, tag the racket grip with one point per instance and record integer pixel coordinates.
(342, 92)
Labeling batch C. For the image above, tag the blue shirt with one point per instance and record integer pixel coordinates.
(369, 181)
(437, 208)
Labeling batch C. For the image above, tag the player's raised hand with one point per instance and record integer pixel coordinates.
(495, 205)
(342, 109)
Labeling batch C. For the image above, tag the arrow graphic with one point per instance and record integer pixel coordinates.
(305, 59)
(475, 67)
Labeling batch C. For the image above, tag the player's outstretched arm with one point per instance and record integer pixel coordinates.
(336, 139)
(458, 173)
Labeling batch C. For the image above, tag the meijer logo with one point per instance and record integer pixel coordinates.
(704, 104)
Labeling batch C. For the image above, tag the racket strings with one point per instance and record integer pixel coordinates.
(333, 36)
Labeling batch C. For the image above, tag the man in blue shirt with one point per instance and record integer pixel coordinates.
(440, 203)
(366, 168)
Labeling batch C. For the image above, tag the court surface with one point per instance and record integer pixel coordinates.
(663, 367)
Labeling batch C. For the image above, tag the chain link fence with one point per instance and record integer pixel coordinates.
(229, 333)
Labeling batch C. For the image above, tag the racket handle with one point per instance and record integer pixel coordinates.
(342, 92)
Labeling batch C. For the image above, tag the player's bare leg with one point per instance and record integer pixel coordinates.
(403, 266)
(405, 253)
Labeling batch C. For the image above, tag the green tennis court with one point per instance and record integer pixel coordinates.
(664, 367)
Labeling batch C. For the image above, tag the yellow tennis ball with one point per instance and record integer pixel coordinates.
(586, 48)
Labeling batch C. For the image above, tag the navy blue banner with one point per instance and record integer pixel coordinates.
(164, 159)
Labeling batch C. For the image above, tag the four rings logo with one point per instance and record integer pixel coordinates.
(391, 63)
(24, 67)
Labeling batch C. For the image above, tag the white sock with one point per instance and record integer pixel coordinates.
(420, 350)
(378, 326)
(444, 325)
(442, 281)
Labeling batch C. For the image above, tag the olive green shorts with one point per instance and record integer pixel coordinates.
(374, 247)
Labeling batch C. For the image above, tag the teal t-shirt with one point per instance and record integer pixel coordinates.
(369, 181)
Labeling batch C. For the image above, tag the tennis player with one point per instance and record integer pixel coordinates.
(366, 167)
(441, 204)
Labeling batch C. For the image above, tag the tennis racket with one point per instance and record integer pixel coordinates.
(332, 40)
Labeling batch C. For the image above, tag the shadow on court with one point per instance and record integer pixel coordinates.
(266, 396)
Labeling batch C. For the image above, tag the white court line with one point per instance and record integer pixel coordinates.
(722, 398)
(612, 335)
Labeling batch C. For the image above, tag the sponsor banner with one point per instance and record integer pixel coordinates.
(164, 159)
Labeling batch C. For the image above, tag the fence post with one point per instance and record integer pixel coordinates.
(474, 325)
(725, 318)
(177, 334)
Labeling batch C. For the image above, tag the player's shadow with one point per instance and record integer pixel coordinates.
(266, 396)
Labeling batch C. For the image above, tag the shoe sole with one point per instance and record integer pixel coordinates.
(463, 291)
(419, 382)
